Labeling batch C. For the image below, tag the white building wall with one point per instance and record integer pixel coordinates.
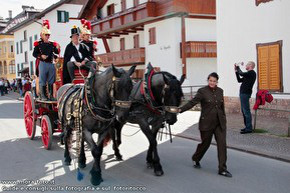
(166, 52)
(199, 68)
(114, 43)
(117, 4)
(60, 32)
(240, 26)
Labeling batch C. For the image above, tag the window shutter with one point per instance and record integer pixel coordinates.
(263, 67)
(66, 16)
(274, 67)
(58, 16)
(269, 67)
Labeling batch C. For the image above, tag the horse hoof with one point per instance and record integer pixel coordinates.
(82, 165)
(159, 173)
(96, 178)
(96, 182)
(119, 158)
(149, 165)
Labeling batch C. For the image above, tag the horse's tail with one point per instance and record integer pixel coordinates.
(107, 140)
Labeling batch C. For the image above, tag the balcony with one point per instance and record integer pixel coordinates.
(198, 49)
(128, 19)
(124, 58)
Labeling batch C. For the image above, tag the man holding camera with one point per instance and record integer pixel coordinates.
(248, 80)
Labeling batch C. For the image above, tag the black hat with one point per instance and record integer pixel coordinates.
(75, 30)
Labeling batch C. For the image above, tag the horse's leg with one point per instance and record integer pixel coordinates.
(116, 136)
(82, 158)
(67, 137)
(156, 160)
(96, 175)
(152, 155)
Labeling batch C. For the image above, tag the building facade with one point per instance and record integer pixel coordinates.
(7, 60)
(175, 36)
(254, 30)
(62, 16)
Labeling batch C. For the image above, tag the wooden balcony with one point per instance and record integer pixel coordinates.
(198, 49)
(131, 18)
(124, 58)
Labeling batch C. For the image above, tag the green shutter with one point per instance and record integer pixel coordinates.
(58, 16)
(66, 16)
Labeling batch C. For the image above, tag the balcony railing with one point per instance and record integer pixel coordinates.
(198, 49)
(124, 58)
(132, 17)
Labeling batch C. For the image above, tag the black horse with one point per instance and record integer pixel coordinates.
(108, 100)
(167, 92)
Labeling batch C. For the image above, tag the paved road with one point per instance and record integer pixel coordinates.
(25, 160)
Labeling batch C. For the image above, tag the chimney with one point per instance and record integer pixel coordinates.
(10, 14)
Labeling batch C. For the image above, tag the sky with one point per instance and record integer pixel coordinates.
(16, 6)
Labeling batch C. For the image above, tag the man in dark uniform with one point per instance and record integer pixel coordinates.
(212, 122)
(86, 36)
(76, 55)
(45, 51)
(248, 80)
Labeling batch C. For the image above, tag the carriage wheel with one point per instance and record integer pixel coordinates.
(29, 115)
(46, 132)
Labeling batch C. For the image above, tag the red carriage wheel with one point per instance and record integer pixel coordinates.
(29, 115)
(46, 132)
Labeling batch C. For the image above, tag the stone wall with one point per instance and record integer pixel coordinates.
(233, 105)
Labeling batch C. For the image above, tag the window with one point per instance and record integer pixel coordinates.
(62, 16)
(35, 37)
(1, 68)
(123, 5)
(152, 36)
(21, 50)
(30, 43)
(122, 44)
(136, 41)
(12, 67)
(11, 48)
(31, 68)
(17, 48)
(270, 66)
(136, 3)
(110, 9)
(24, 35)
(262, 1)
(5, 67)
(26, 57)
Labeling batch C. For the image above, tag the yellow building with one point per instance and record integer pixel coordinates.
(7, 60)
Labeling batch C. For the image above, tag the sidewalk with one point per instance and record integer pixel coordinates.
(264, 144)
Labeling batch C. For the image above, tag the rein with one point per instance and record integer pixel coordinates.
(150, 101)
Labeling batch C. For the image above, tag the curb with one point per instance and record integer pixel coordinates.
(235, 148)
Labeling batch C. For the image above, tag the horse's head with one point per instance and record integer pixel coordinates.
(172, 93)
(121, 90)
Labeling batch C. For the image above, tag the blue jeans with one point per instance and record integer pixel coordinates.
(245, 106)
(46, 73)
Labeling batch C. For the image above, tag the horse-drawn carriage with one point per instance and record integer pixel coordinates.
(45, 113)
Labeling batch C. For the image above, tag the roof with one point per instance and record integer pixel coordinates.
(38, 15)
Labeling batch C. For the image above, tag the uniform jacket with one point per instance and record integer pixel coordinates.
(212, 108)
(90, 44)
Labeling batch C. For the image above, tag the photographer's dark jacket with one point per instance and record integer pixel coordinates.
(212, 108)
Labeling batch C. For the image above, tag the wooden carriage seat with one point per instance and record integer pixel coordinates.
(78, 77)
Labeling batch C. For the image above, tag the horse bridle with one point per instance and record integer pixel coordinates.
(117, 103)
(169, 109)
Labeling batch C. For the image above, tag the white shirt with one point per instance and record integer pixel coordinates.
(80, 54)
(1, 83)
(33, 83)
